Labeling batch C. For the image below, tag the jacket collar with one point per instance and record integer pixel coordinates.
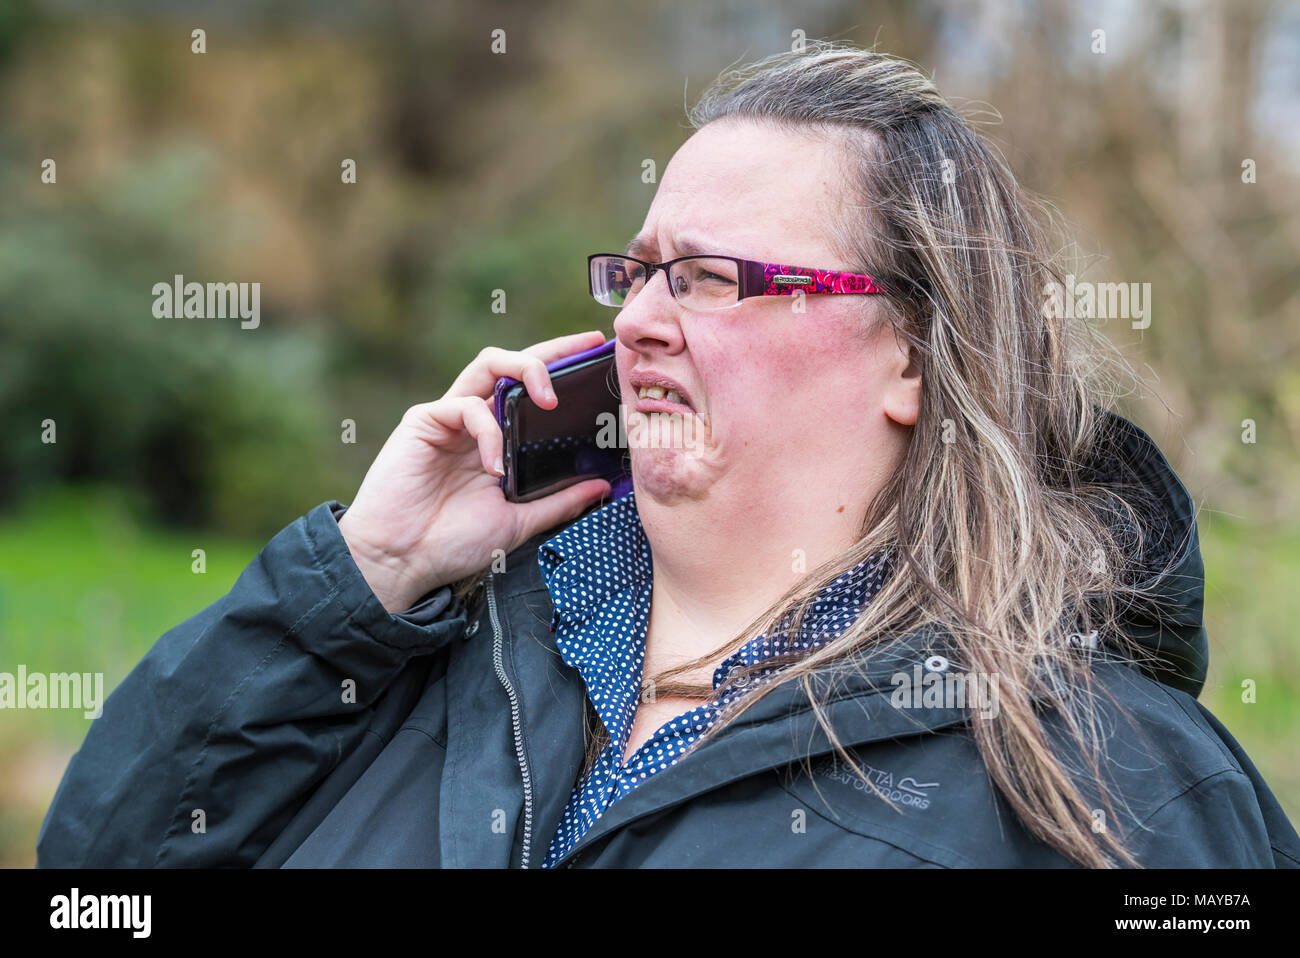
(553, 701)
(856, 696)
(856, 699)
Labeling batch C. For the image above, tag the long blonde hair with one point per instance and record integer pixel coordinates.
(1002, 538)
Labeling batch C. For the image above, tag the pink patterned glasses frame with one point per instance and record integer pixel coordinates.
(611, 279)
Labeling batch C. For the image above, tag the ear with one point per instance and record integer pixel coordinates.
(902, 398)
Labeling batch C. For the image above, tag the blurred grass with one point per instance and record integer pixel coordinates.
(86, 586)
(1252, 605)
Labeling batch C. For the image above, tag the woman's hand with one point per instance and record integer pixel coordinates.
(430, 509)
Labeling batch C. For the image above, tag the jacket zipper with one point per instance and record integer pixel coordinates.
(497, 664)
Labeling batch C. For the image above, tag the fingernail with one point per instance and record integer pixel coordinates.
(497, 467)
(550, 394)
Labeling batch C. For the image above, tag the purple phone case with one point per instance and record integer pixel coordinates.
(622, 485)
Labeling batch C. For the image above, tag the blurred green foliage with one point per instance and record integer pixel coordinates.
(195, 414)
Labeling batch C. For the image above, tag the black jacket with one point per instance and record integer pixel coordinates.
(235, 741)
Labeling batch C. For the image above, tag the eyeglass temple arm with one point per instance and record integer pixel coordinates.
(773, 279)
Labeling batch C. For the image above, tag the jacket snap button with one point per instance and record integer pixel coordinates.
(936, 663)
(473, 628)
(734, 674)
(1088, 641)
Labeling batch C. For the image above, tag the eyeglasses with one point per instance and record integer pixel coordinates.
(715, 282)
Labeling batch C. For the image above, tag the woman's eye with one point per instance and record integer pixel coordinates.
(721, 279)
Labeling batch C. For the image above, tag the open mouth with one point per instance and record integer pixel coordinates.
(661, 399)
(659, 392)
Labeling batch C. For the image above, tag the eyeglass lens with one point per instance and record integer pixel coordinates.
(704, 282)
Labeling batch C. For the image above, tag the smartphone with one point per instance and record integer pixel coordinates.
(546, 450)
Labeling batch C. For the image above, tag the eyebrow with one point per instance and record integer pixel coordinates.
(686, 245)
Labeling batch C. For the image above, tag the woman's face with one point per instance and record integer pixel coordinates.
(782, 402)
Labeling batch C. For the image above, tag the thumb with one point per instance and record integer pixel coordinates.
(558, 507)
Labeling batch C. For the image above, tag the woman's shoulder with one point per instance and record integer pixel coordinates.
(1138, 715)
(1182, 789)
(1178, 790)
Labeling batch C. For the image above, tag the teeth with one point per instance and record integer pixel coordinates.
(659, 392)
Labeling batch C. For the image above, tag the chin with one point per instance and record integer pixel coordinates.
(668, 475)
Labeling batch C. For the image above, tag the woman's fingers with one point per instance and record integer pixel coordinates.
(479, 378)
(483, 426)
(465, 408)
(553, 349)
(568, 503)
(442, 421)
(470, 415)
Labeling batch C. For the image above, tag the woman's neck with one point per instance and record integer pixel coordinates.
(719, 562)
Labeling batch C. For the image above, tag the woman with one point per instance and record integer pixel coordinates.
(910, 597)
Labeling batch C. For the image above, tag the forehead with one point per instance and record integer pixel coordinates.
(748, 189)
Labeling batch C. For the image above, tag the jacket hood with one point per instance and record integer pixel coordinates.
(1167, 621)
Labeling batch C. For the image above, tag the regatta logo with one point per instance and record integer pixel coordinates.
(906, 791)
(181, 300)
(102, 911)
(57, 690)
(781, 279)
(936, 687)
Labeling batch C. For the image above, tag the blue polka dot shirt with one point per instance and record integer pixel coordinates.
(598, 572)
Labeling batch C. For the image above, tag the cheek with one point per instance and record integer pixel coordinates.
(741, 372)
(809, 367)
(759, 387)
(774, 384)
(780, 389)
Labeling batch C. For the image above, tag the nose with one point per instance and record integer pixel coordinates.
(651, 321)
